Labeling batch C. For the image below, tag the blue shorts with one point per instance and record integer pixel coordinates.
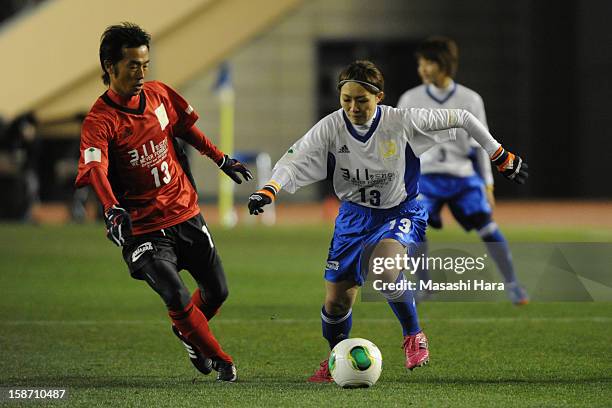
(359, 228)
(465, 197)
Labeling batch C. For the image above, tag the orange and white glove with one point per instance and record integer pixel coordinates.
(263, 197)
(511, 166)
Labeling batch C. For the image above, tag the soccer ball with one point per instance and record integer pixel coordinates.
(355, 363)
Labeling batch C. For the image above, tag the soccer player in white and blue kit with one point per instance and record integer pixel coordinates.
(371, 152)
(448, 175)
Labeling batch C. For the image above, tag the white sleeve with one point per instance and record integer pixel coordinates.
(306, 161)
(476, 130)
(428, 127)
(437, 126)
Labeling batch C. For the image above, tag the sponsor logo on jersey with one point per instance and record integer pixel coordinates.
(344, 149)
(142, 248)
(332, 265)
(162, 117)
(149, 154)
(388, 149)
(92, 154)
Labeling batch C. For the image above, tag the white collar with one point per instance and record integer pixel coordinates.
(363, 129)
(441, 93)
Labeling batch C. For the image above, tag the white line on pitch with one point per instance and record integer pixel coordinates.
(221, 321)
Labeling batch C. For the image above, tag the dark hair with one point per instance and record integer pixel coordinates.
(366, 73)
(117, 37)
(442, 50)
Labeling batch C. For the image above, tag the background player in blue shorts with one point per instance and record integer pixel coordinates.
(371, 152)
(448, 173)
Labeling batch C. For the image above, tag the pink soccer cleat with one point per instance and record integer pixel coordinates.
(322, 375)
(417, 350)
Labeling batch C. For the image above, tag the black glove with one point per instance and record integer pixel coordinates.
(232, 167)
(511, 166)
(118, 225)
(262, 197)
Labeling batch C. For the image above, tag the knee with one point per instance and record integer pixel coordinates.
(481, 222)
(337, 307)
(488, 231)
(177, 298)
(215, 298)
(218, 297)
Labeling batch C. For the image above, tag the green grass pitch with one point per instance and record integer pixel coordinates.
(70, 317)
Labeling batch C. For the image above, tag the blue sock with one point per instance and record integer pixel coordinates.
(499, 250)
(403, 305)
(336, 328)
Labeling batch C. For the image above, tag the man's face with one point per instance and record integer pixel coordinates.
(430, 72)
(358, 104)
(128, 75)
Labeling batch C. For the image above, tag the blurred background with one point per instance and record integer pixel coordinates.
(542, 70)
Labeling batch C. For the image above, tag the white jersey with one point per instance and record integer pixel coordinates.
(451, 158)
(379, 169)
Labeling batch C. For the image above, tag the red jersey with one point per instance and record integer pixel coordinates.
(134, 149)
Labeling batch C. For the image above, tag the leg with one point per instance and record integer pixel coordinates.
(336, 314)
(404, 232)
(204, 264)
(197, 253)
(472, 210)
(498, 248)
(212, 288)
(489, 232)
(336, 320)
(401, 301)
(165, 280)
(163, 277)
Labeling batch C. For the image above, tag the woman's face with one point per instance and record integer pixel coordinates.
(358, 103)
(430, 72)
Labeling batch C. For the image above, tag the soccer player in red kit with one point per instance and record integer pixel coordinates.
(131, 158)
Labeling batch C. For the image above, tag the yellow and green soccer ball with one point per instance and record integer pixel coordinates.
(355, 363)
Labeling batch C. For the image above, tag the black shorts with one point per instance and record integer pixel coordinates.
(188, 245)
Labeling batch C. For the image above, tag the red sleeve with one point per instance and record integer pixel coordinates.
(186, 116)
(198, 139)
(95, 136)
(100, 184)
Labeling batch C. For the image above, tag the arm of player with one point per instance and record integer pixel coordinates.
(117, 220)
(228, 165)
(483, 162)
(306, 160)
(423, 120)
(303, 164)
(93, 165)
(508, 164)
